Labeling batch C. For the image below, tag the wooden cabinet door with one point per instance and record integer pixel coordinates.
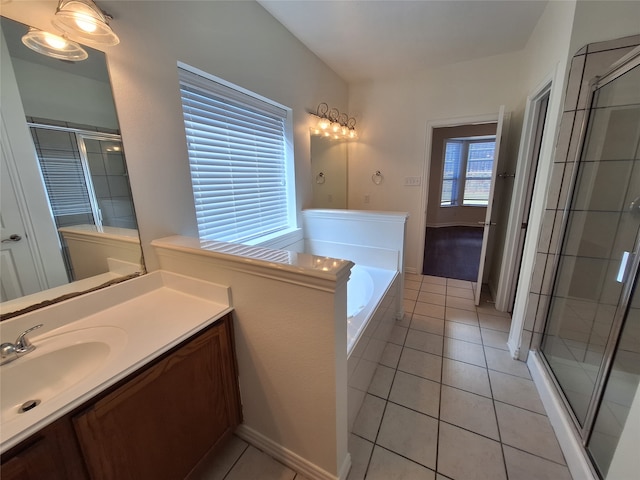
(161, 423)
(51, 454)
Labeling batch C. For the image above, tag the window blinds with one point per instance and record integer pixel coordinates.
(62, 172)
(237, 156)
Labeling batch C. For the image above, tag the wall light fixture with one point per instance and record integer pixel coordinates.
(78, 19)
(54, 46)
(83, 19)
(331, 123)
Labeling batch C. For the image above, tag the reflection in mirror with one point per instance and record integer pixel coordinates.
(67, 218)
(329, 170)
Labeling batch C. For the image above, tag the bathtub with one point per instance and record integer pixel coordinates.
(372, 296)
(366, 289)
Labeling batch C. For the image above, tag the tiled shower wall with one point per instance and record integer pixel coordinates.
(590, 61)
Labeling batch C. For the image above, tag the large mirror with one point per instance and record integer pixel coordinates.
(67, 219)
(329, 170)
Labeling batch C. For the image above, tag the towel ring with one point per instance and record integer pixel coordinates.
(377, 177)
(320, 178)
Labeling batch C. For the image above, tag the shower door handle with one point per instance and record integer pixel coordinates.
(623, 270)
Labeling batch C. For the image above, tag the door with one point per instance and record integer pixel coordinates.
(540, 120)
(594, 366)
(487, 221)
(19, 273)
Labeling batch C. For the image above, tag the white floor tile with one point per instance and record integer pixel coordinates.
(528, 431)
(460, 292)
(216, 466)
(381, 382)
(434, 280)
(501, 361)
(433, 288)
(424, 341)
(465, 455)
(391, 355)
(398, 335)
(416, 393)
(255, 464)
(493, 322)
(495, 338)
(360, 450)
(461, 303)
(429, 310)
(428, 324)
(517, 391)
(524, 466)
(410, 434)
(469, 411)
(368, 420)
(460, 315)
(452, 282)
(419, 363)
(466, 377)
(464, 351)
(462, 331)
(386, 465)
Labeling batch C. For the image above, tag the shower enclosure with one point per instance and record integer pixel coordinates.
(591, 341)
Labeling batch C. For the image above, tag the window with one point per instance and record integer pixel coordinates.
(466, 177)
(240, 158)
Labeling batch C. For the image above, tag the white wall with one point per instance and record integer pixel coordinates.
(237, 41)
(597, 21)
(546, 55)
(626, 462)
(57, 95)
(393, 117)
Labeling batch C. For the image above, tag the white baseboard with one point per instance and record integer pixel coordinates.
(575, 455)
(289, 458)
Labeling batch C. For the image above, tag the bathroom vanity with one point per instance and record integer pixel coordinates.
(155, 419)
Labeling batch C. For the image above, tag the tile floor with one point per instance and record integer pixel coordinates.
(447, 402)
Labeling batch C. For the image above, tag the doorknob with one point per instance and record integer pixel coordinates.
(13, 238)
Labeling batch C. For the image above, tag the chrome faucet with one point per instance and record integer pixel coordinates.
(10, 351)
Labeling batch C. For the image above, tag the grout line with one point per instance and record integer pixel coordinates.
(386, 400)
(406, 458)
(537, 456)
(237, 460)
(495, 411)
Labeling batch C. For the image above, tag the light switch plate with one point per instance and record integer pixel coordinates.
(412, 181)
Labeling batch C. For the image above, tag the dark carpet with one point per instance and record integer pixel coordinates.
(453, 252)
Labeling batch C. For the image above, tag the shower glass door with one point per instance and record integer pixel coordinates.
(598, 261)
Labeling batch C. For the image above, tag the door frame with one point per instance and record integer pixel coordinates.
(431, 125)
(508, 268)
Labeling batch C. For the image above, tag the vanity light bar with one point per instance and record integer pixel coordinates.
(333, 124)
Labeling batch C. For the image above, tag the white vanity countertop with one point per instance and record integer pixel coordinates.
(143, 318)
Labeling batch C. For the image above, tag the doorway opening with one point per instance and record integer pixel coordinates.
(461, 165)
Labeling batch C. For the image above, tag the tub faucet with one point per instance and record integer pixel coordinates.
(10, 351)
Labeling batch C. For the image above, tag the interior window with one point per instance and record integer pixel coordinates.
(240, 158)
(466, 177)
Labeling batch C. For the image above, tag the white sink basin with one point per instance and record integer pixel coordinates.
(57, 364)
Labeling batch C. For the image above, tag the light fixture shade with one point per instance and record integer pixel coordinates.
(53, 45)
(82, 19)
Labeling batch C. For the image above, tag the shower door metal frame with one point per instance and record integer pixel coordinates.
(625, 64)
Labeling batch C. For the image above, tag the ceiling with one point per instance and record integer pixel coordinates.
(373, 39)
